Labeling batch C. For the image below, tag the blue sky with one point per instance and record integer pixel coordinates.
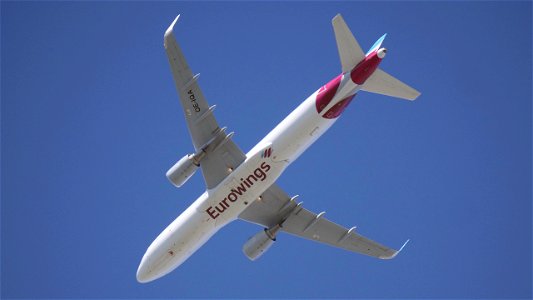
(91, 122)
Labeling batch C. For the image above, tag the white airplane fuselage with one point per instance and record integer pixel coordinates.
(264, 163)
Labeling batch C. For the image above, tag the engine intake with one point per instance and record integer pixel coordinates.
(179, 173)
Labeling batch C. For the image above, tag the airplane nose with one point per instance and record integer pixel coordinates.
(150, 266)
(144, 273)
(155, 263)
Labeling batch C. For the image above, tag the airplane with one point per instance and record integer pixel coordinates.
(243, 186)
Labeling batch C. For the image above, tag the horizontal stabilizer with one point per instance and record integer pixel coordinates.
(382, 83)
(349, 50)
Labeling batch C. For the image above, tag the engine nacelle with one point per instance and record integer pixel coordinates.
(182, 171)
(258, 244)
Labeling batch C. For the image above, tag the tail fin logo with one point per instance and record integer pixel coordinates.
(267, 152)
(376, 45)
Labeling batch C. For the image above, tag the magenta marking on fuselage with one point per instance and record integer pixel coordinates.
(337, 109)
(326, 93)
(365, 68)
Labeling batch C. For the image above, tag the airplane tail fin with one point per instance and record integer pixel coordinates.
(377, 44)
(381, 82)
(350, 52)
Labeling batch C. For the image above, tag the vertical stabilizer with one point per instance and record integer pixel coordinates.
(349, 50)
(377, 44)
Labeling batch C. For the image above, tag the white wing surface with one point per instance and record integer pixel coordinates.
(276, 207)
(201, 122)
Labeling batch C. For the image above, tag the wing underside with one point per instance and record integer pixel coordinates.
(201, 122)
(276, 207)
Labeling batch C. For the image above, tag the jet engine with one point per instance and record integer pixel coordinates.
(182, 170)
(187, 165)
(260, 243)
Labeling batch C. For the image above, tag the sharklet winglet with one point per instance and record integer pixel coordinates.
(171, 27)
(377, 44)
(404, 244)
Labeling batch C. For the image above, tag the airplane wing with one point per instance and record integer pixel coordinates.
(276, 207)
(201, 122)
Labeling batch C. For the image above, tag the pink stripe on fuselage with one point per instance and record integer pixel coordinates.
(365, 68)
(326, 93)
(338, 108)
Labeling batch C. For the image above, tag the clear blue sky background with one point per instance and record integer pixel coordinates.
(91, 122)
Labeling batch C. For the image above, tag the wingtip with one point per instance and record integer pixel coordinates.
(396, 252)
(336, 18)
(415, 95)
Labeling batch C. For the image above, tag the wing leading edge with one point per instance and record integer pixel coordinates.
(276, 207)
